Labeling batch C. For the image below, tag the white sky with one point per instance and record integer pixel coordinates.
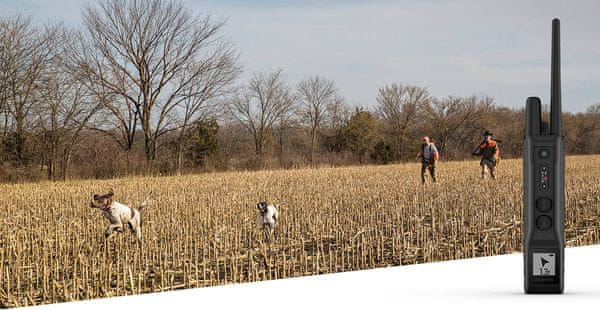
(495, 48)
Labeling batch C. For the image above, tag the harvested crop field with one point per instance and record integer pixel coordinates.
(200, 230)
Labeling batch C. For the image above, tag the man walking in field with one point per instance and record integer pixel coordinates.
(489, 152)
(428, 155)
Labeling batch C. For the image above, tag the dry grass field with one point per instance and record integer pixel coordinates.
(201, 230)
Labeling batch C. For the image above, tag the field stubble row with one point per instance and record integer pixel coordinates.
(200, 230)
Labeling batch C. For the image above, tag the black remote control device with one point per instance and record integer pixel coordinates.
(543, 186)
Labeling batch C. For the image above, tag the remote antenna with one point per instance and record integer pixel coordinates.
(555, 88)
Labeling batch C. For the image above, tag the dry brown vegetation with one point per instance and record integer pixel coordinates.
(200, 230)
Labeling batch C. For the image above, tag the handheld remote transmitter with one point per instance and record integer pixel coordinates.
(543, 173)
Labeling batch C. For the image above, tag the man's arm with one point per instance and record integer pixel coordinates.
(435, 154)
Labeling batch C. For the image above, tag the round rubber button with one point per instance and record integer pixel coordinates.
(544, 153)
(543, 222)
(544, 204)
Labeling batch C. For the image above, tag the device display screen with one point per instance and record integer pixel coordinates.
(544, 264)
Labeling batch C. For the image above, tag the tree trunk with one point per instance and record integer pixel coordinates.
(179, 156)
(150, 148)
(281, 159)
(258, 144)
(65, 164)
(19, 138)
(313, 142)
(50, 164)
(149, 139)
(50, 169)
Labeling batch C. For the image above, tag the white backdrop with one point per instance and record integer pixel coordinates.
(481, 283)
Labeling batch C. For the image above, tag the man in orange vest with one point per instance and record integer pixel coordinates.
(428, 155)
(489, 152)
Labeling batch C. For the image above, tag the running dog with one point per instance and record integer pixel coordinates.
(119, 214)
(267, 218)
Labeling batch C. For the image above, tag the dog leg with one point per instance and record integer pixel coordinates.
(265, 233)
(137, 225)
(110, 232)
(107, 232)
(112, 228)
(272, 232)
(137, 229)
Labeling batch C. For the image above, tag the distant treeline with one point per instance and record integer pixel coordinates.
(148, 87)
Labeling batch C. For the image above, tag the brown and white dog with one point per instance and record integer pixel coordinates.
(267, 218)
(119, 214)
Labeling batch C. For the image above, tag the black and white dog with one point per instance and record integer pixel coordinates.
(119, 214)
(267, 218)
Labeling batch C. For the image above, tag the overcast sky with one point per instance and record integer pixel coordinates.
(495, 48)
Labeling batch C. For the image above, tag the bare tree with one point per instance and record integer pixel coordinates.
(592, 127)
(65, 110)
(26, 51)
(581, 128)
(4, 116)
(262, 103)
(316, 96)
(147, 54)
(201, 99)
(286, 123)
(339, 113)
(457, 122)
(399, 105)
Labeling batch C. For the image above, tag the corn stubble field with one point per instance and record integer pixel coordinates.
(201, 230)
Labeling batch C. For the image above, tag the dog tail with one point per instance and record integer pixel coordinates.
(145, 203)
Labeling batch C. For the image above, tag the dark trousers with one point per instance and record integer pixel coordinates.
(428, 165)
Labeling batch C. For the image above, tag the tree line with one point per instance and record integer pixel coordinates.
(149, 87)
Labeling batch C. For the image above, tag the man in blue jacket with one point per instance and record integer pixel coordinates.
(429, 156)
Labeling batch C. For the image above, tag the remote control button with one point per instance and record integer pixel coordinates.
(544, 168)
(543, 222)
(544, 204)
(544, 153)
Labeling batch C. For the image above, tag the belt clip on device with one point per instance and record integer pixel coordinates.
(543, 172)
